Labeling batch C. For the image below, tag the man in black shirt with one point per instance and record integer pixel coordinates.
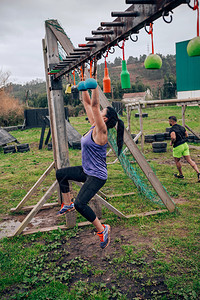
(179, 136)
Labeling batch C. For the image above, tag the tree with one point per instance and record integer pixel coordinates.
(4, 76)
(131, 60)
(117, 61)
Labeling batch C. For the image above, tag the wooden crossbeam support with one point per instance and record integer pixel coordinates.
(30, 207)
(87, 223)
(197, 135)
(166, 101)
(33, 189)
(36, 208)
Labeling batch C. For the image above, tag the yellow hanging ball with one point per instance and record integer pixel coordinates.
(68, 89)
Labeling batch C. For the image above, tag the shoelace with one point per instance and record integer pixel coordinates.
(100, 236)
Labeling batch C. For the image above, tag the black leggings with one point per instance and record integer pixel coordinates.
(90, 187)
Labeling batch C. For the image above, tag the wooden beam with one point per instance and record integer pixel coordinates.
(197, 135)
(150, 213)
(30, 207)
(87, 223)
(60, 36)
(33, 189)
(63, 227)
(160, 102)
(36, 208)
(120, 195)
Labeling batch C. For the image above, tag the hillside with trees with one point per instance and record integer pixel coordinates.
(162, 83)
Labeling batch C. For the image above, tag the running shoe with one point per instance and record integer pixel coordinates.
(198, 175)
(65, 209)
(178, 176)
(104, 236)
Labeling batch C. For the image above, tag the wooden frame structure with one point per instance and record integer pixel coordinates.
(153, 103)
(137, 16)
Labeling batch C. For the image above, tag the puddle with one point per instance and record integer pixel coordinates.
(43, 219)
(7, 228)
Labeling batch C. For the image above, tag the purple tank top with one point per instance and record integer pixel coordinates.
(93, 157)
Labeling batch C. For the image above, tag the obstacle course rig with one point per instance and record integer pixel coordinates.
(139, 15)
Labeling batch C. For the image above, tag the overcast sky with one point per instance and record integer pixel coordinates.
(22, 31)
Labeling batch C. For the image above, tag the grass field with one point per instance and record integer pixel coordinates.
(154, 257)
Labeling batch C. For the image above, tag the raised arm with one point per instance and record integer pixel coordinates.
(88, 106)
(98, 118)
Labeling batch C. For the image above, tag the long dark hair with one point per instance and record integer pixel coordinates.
(112, 121)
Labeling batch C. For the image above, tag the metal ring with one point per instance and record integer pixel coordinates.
(145, 27)
(121, 47)
(104, 55)
(164, 14)
(136, 38)
(113, 50)
(190, 6)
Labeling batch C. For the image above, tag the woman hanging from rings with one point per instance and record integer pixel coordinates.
(93, 172)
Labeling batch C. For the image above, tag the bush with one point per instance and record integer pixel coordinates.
(75, 111)
(11, 111)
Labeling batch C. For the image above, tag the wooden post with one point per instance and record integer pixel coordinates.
(141, 126)
(50, 106)
(129, 117)
(183, 114)
(57, 120)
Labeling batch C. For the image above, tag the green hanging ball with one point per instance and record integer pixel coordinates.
(193, 47)
(153, 61)
(125, 77)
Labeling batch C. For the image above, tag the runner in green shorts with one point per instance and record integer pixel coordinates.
(181, 150)
(179, 136)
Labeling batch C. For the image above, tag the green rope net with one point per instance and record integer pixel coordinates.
(134, 173)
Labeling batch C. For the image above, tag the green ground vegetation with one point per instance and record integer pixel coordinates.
(157, 259)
